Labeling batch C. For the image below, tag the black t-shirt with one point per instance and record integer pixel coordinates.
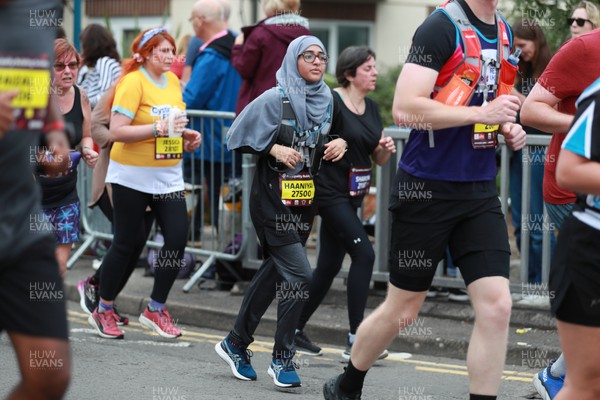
(28, 31)
(433, 44)
(362, 132)
(435, 39)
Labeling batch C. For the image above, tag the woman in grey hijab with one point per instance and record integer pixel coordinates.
(289, 127)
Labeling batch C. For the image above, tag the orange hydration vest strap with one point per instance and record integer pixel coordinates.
(460, 76)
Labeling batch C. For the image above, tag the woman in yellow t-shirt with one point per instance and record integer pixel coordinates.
(148, 130)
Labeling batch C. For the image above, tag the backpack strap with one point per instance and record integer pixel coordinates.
(468, 36)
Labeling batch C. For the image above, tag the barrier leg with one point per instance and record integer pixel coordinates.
(87, 243)
(198, 274)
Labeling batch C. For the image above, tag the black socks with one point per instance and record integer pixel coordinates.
(481, 397)
(352, 380)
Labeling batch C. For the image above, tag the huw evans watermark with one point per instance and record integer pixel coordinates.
(167, 393)
(291, 291)
(413, 191)
(45, 19)
(413, 393)
(45, 291)
(413, 259)
(414, 327)
(45, 359)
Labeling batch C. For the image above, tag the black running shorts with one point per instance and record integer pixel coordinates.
(575, 274)
(32, 299)
(475, 230)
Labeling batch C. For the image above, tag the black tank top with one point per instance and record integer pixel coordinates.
(75, 118)
(62, 190)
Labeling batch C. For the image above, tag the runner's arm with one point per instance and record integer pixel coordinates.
(539, 111)
(413, 106)
(577, 173)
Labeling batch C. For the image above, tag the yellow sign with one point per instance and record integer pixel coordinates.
(33, 86)
(297, 189)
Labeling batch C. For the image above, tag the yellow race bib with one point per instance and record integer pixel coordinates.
(297, 190)
(168, 148)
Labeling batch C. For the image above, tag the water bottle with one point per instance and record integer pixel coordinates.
(174, 113)
(514, 57)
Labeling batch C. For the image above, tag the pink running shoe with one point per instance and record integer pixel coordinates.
(105, 324)
(160, 322)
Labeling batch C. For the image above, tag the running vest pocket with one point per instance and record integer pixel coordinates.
(457, 92)
(508, 73)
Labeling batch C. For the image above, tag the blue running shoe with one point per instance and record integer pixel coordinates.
(283, 372)
(238, 359)
(547, 385)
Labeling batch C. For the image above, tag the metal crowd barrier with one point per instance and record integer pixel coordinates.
(212, 241)
(96, 227)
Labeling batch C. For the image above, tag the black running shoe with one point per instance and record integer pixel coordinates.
(459, 295)
(305, 346)
(331, 390)
(120, 319)
(346, 353)
(88, 296)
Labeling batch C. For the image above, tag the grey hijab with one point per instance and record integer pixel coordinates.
(309, 100)
(257, 124)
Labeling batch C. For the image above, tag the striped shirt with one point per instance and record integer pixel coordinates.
(97, 80)
(583, 139)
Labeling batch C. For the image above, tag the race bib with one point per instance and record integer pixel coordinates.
(359, 181)
(31, 77)
(296, 190)
(485, 136)
(168, 148)
(492, 76)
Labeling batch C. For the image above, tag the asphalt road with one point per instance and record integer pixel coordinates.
(145, 366)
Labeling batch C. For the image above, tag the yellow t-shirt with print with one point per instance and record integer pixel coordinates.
(138, 97)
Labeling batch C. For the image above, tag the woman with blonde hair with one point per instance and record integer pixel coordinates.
(180, 55)
(584, 18)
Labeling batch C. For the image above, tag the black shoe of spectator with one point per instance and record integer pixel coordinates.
(305, 346)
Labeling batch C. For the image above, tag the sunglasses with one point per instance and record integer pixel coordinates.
(580, 21)
(61, 67)
(309, 57)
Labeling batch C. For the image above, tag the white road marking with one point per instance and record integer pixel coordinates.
(125, 341)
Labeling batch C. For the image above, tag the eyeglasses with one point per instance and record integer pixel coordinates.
(61, 67)
(309, 57)
(580, 21)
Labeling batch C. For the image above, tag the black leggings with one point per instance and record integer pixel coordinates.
(138, 247)
(341, 232)
(129, 213)
(284, 274)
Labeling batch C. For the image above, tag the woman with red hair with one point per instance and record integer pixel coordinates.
(60, 202)
(148, 128)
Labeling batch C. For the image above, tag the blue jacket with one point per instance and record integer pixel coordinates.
(214, 85)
